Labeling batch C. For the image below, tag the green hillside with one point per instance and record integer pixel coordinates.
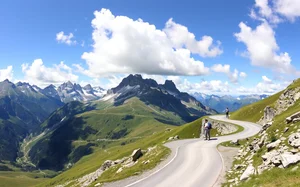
(255, 111)
(76, 135)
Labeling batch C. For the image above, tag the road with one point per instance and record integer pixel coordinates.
(196, 163)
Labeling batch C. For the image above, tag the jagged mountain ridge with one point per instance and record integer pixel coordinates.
(22, 110)
(219, 103)
(165, 96)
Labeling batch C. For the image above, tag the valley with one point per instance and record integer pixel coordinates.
(71, 146)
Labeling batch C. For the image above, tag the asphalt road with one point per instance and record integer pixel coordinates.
(196, 163)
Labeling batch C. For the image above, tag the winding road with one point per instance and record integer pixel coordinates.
(194, 162)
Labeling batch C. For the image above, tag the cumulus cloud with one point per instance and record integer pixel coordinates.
(266, 86)
(243, 75)
(123, 45)
(262, 48)
(180, 37)
(6, 73)
(61, 37)
(39, 74)
(266, 79)
(288, 8)
(276, 11)
(233, 76)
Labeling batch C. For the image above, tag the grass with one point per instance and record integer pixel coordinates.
(275, 178)
(254, 112)
(24, 179)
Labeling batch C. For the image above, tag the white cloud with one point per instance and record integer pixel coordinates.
(266, 79)
(264, 12)
(122, 45)
(266, 86)
(6, 73)
(276, 11)
(221, 68)
(180, 37)
(233, 76)
(243, 75)
(262, 48)
(37, 73)
(61, 37)
(288, 8)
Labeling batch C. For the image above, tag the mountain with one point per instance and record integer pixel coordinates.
(136, 108)
(274, 151)
(22, 110)
(219, 103)
(68, 91)
(166, 96)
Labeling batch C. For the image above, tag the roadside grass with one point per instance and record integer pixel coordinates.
(275, 177)
(154, 157)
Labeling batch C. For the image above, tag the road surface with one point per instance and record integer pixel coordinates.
(196, 163)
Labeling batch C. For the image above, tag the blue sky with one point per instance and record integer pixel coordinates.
(254, 49)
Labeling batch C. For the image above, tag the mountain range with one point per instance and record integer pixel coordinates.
(220, 103)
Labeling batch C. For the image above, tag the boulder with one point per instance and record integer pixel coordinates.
(269, 113)
(292, 117)
(295, 120)
(249, 171)
(235, 142)
(286, 129)
(107, 164)
(136, 154)
(288, 159)
(120, 170)
(272, 145)
(267, 125)
(176, 137)
(294, 139)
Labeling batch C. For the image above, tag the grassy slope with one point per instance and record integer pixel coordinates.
(255, 111)
(276, 176)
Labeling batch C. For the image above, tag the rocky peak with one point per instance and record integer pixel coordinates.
(135, 80)
(170, 86)
(88, 87)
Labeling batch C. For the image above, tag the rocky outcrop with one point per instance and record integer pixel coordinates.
(269, 114)
(272, 145)
(136, 154)
(287, 99)
(288, 159)
(294, 140)
(293, 118)
(248, 172)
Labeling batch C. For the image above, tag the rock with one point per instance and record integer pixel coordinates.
(176, 137)
(285, 129)
(267, 125)
(147, 162)
(292, 117)
(168, 129)
(283, 138)
(98, 184)
(295, 120)
(107, 164)
(120, 170)
(269, 114)
(235, 142)
(294, 140)
(171, 138)
(288, 159)
(136, 154)
(294, 151)
(273, 145)
(249, 171)
(231, 180)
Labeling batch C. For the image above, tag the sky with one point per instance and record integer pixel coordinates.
(209, 46)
